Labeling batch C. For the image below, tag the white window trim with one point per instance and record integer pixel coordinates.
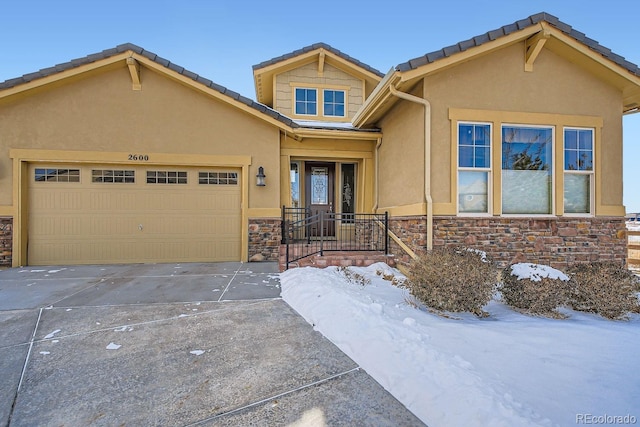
(345, 102)
(591, 173)
(553, 212)
(489, 171)
(295, 100)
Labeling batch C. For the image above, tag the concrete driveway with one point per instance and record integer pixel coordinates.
(172, 345)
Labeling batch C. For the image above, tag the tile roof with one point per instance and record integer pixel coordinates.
(153, 57)
(511, 28)
(313, 47)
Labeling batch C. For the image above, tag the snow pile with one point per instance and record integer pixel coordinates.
(536, 272)
(506, 370)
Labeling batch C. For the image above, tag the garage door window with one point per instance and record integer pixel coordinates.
(166, 177)
(218, 178)
(111, 175)
(57, 175)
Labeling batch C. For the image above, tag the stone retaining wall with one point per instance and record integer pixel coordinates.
(264, 239)
(6, 241)
(553, 241)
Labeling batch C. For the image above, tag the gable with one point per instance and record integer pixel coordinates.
(320, 54)
(536, 34)
(308, 76)
(134, 58)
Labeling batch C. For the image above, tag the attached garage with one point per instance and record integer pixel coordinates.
(100, 214)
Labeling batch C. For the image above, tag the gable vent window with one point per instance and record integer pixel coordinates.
(166, 177)
(57, 175)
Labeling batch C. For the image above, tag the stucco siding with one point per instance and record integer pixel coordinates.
(496, 83)
(103, 113)
(401, 155)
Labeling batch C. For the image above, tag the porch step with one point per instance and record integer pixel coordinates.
(337, 259)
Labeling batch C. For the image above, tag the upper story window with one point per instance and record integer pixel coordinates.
(334, 104)
(306, 101)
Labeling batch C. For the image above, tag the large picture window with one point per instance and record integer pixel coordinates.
(527, 156)
(474, 167)
(578, 170)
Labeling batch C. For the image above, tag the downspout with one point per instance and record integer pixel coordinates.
(375, 177)
(427, 157)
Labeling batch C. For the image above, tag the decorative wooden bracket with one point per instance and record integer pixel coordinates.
(321, 63)
(134, 70)
(532, 48)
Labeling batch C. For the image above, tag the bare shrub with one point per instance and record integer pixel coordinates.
(452, 280)
(353, 277)
(536, 295)
(607, 289)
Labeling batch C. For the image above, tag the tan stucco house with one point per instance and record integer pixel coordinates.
(510, 142)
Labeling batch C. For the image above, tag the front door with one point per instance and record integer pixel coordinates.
(319, 192)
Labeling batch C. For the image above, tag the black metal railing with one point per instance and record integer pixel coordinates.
(305, 234)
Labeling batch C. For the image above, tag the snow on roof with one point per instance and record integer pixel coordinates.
(315, 124)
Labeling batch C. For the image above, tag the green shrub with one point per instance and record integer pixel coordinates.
(607, 289)
(537, 294)
(452, 280)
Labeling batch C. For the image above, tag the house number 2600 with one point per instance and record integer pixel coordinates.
(139, 157)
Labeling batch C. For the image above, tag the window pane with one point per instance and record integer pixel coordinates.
(473, 192)
(465, 159)
(319, 186)
(571, 160)
(333, 103)
(348, 190)
(294, 174)
(311, 109)
(465, 135)
(526, 170)
(311, 95)
(578, 149)
(300, 108)
(474, 142)
(570, 139)
(526, 192)
(329, 110)
(577, 194)
(328, 96)
(482, 157)
(585, 140)
(481, 135)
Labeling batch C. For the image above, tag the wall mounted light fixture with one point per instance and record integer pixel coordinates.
(260, 177)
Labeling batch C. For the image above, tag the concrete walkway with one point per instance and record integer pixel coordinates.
(172, 345)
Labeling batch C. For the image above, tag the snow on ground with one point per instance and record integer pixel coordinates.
(505, 370)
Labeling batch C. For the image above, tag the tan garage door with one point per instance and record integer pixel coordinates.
(99, 214)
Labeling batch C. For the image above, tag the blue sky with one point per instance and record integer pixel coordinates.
(221, 40)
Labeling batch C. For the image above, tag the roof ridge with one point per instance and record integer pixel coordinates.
(511, 28)
(107, 53)
(315, 46)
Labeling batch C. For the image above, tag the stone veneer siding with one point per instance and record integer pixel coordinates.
(557, 242)
(264, 238)
(6, 240)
